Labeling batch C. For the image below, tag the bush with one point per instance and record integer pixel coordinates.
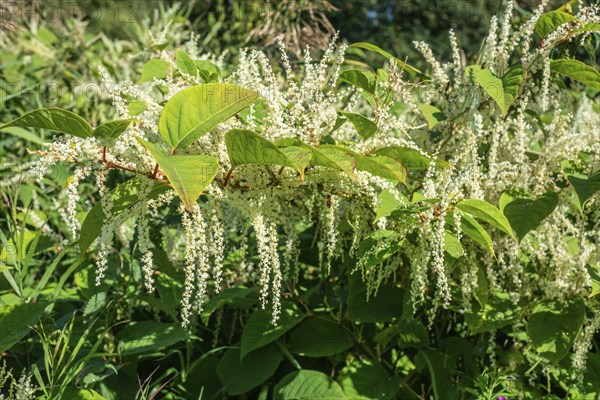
(320, 231)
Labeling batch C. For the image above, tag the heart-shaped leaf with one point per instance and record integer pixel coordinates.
(189, 175)
(525, 214)
(503, 90)
(54, 119)
(194, 111)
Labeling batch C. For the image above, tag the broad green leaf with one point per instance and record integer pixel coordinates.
(525, 214)
(150, 337)
(307, 385)
(260, 331)
(388, 202)
(361, 79)
(158, 69)
(239, 297)
(194, 111)
(54, 119)
(553, 327)
(325, 157)
(209, 67)
(123, 197)
(318, 337)
(550, 21)
(503, 90)
(364, 126)
(247, 147)
(382, 307)
(452, 245)
(185, 63)
(470, 227)
(242, 375)
(82, 394)
(486, 212)
(16, 321)
(382, 166)
(113, 129)
(412, 159)
(379, 50)
(371, 381)
(189, 175)
(411, 333)
(471, 72)
(432, 114)
(585, 186)
(299, 158)
(498, 312)
(136, 107)
(577, 71)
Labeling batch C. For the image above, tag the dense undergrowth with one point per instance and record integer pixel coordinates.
(189, 226)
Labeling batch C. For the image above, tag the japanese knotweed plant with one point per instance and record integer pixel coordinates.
(473, 184)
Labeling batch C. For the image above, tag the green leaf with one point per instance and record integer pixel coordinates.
(299, 158)
(470, 227)
(317, 337)
(189, 175)
(150, 337)
(553, 327)
(239, 297)
(550, 21)
(185, 63)
(411, 333)
(595, 275)
(379, 50)
(504, 91)
(123, 197)
(412, 159)
(497, 313)
(82, 394)
(113, 129)
(158, 69)
(382, 166)
(136, 107)
(247, 147)
(371, 381)
(331, 157)
(432, 114)
(194, 111)
(486, 212)
(54, 119)
(585, 186)
(577, 71)
(382, 307)
(260, 331)
(388, 202)
(525, 214)
(361, 79)
(364, 126)
(307, 385)
(452, 245)
(242, 375)
(16, 320)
